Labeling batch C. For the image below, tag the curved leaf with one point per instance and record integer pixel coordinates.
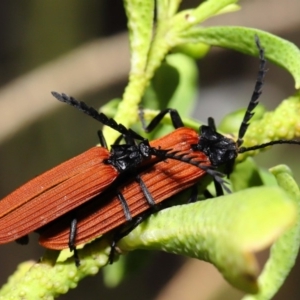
(188, 18)
(277, 50)
(225, 231)
(185, 87)
(284, 252)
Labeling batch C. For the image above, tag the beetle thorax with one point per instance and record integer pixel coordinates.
(218, 148)
(126, 157)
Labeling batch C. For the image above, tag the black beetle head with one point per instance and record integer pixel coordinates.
(219, 149)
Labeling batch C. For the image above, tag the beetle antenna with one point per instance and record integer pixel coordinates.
(246, 149)
(101, 117)
(184, 157)
(256, 93)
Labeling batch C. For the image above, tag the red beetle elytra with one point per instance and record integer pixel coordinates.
(72, 183)
(104, 213)
(207, 151)
(55, 192)
(67, 186)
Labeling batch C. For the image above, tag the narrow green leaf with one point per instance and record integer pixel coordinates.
(13, 280)
(187, 85)
(228, 9)
(267, 178)
(196, 51)
(114, 274)
(167, 29)
(44, 281)
(284, 252)
(188, 18)
(140, 16)
(163, 87)
(126, 266)
(140, 24)
(176, 80)
(225, 231)
(277, 50)
(166, 8)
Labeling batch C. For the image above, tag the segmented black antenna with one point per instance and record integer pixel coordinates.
(256, 93)
(246, 149)
(184, 157)
(253, 103)
(101, 117)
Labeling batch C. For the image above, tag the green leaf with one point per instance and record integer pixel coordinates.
(225, 231)
(246, 174)
(284, 252)
(140, 24)
(188, 18)
(163, 86)
(114, 274)
(185, 87)
(174, 81)
(166, 8)
(196, 51)
(140, 16)
(277, 50)
(267, 178)
(167, 29)
(22, 269)
(44, 281)
(126, 266)
(282, 123)
(228, 9)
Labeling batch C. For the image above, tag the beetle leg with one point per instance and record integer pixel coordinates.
(72, 238)
(124, 206)
(175, 117)
(146, 192)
